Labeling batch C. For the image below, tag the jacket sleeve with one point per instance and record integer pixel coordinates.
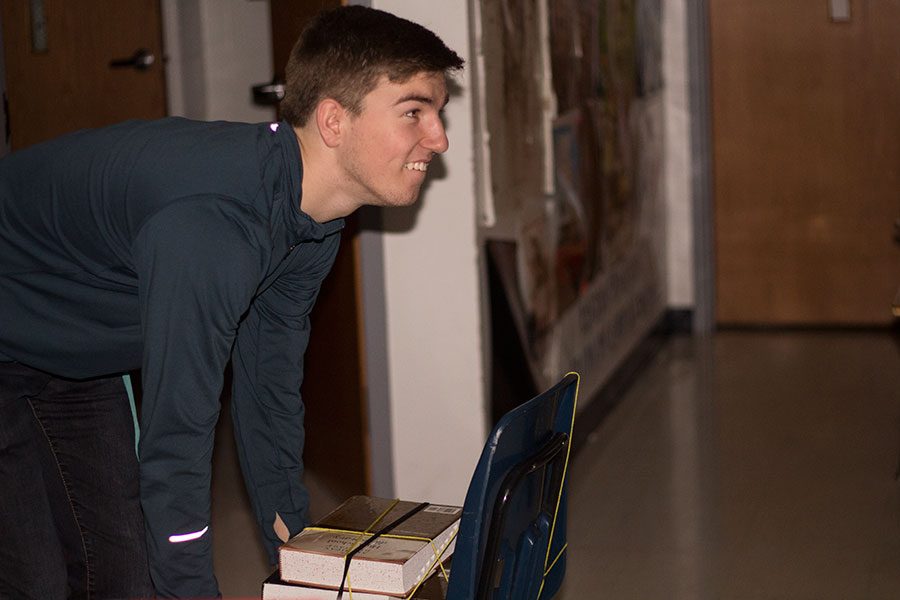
(198, 263)
(266, 406)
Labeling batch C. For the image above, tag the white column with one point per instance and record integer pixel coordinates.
(432, 276)
(678, 168)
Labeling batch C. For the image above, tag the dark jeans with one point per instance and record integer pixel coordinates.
(70, 516)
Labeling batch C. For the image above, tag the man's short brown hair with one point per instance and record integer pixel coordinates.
(344, 52)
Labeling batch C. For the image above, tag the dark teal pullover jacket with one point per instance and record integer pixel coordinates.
(172, 246)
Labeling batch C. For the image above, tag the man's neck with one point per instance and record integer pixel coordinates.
(320, 198)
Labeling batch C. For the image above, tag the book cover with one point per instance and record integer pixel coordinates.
(392, 564)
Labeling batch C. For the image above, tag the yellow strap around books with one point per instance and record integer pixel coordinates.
(437, 559)
(438, 554)
(368, 531)
(368, 534)
(363, 533)
(547, 568)
(378, 519)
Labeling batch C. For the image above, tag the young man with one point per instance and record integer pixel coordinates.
(174, 246)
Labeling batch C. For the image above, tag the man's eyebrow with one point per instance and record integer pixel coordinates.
(423, 99)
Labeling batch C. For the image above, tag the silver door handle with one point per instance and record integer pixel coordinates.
(141, 60)
(269, 93)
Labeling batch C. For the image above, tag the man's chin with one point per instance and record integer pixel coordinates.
(400, 200)
(409, 201)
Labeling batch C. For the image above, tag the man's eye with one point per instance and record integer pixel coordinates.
(413, 113)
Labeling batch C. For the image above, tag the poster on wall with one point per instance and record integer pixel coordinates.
(576, 189)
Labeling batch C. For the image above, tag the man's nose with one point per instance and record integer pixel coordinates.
(437, 141)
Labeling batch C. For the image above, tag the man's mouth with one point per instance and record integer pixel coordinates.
(416, 166)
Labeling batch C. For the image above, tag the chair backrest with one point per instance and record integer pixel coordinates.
(512, 535)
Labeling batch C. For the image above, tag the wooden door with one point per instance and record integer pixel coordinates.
(806, 134)
(62, 80)
(336, 453)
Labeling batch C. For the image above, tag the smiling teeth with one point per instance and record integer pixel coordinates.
(416, 166)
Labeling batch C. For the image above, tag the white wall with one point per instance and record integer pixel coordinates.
(433, 300)
(679, 226)
(217, 50)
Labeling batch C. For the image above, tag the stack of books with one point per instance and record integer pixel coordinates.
(372, 548)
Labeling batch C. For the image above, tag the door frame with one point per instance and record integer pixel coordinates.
(704, 257)
(4, 109)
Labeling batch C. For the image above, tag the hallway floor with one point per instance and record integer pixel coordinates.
(750, 465)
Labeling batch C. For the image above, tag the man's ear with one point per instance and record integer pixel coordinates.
(331, 120)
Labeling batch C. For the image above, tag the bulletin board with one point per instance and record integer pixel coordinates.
(574, 130)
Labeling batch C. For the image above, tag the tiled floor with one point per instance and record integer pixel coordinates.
(746, 465)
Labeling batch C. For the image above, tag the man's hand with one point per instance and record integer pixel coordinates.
(280, 528)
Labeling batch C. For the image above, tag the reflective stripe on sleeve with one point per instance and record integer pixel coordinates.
(187, 537)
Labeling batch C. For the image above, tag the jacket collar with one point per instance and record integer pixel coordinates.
(298, 221)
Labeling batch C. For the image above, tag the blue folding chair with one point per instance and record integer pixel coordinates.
(512, 536)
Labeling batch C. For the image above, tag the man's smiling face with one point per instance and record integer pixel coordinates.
(391, 142)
